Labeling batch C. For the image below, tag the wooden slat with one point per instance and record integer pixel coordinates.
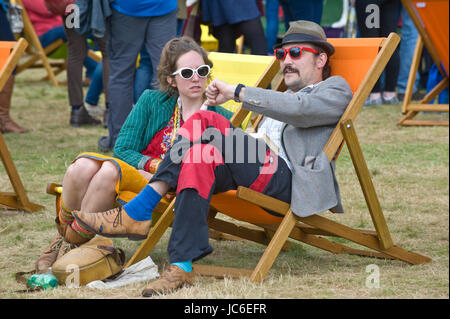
(428, 107)
(319, 242)
(153, 236)
(412, 74)
(262, 200)
(443, 84)
(273, 249)
(255, 235)
(424, 123)
(365, 253)
(366, 183)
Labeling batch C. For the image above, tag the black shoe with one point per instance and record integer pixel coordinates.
(81, 117)
(104, 144)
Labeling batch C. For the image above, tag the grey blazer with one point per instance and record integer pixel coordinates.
(310, 116)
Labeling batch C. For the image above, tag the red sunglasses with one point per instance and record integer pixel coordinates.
(294, 52)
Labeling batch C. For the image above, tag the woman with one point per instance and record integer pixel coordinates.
(95, 182)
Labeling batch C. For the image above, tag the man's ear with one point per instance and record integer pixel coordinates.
(321, 60)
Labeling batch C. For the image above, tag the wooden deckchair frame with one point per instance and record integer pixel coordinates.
(411, 110)
(40, 53)
(306, 229)
(17, 199)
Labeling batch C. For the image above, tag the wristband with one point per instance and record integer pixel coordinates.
(237, 92)
(152, 165)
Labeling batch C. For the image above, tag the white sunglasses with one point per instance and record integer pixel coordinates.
(187, 73)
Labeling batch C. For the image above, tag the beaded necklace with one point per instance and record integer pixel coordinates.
(176, 121)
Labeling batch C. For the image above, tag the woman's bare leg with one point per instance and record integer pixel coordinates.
(101, 194)
(76, 181)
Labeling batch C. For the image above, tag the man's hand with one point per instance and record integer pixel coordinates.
(219, 92)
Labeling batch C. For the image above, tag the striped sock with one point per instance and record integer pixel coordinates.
(65, 215)
(80, 230)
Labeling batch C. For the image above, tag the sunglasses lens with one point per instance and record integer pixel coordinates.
(295, 52)
(279, 54)
(203, 71)
(186, 73)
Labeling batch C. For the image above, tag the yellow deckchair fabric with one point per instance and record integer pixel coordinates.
(239, 68)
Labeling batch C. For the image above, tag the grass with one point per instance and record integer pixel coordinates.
(409, 166)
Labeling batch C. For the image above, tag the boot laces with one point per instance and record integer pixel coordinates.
(118, 219)
(55, 246)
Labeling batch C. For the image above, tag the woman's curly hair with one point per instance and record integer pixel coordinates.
(169, 58)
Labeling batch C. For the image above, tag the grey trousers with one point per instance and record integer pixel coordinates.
(126, 36)
(76, 54)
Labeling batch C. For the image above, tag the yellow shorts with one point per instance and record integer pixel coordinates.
(130, 183)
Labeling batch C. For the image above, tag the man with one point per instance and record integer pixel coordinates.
(133, 23)
(299, 123)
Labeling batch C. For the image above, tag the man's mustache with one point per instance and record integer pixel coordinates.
(290, 69)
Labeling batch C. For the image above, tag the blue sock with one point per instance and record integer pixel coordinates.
(185, 265)
(141, 207)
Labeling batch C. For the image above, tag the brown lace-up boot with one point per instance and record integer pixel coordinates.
(173, 278)
(57, 248)
(7, 125)
(113, 223)
(49, 256)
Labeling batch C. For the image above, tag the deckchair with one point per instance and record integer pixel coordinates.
(431, 19)
(360, 62)
(36, 50)
(53, 57)
(10, 53)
